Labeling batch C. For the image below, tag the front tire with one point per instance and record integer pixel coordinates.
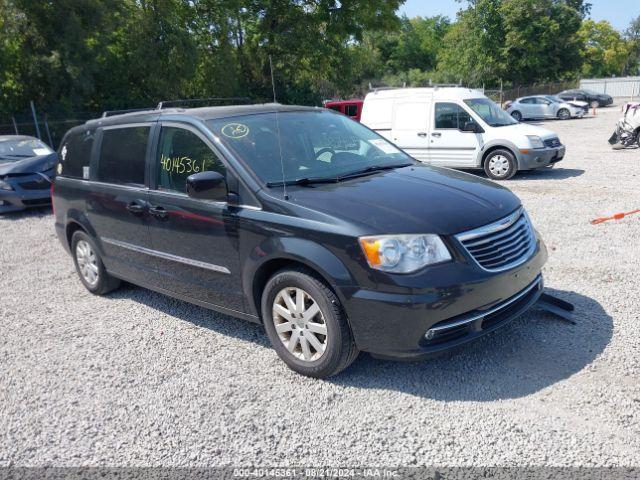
(500, 165)
(564, 114)
(306, 324)
(517, 116)
(89, 265)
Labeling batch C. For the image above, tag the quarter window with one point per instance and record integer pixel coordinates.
(122, 155)
(183, 153)
(75, 155)
(451, 115)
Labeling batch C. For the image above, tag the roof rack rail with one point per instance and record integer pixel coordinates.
(111, 113)
(208, 101)
(430, 85)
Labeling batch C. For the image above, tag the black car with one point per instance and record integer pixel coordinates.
(594, 99)
(300, 219)
(27, 166)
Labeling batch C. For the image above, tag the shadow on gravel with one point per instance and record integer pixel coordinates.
(557, 173)
(532, 353)
(198, 316)
(22, 214)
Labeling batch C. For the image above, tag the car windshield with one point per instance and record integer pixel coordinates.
(491, 113)
(306, 146)
(12, 149)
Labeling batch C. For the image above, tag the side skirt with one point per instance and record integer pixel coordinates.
(195, 301)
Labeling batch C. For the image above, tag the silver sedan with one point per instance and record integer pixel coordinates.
(545, 106)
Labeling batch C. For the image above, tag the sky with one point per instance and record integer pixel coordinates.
(618, 12)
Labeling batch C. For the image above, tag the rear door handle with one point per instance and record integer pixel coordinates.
(422, 134)
(158, 212)
(135, 208)
(436, 134)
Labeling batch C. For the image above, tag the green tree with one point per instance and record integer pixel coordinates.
(519, 41)
(605, 53)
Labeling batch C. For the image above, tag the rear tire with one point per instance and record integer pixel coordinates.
(517, 116)
(295, 325)
(564, 114)
(89, 265)
(500, 165)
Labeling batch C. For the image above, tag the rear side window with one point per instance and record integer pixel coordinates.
(335, 107)
(451, 115)
(351, 110)
(183, 153)
(75, 155)
(528, 100)
(122, 155)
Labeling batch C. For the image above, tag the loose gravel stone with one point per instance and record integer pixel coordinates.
(136, 378)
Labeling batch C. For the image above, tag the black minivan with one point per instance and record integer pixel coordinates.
(298, 218)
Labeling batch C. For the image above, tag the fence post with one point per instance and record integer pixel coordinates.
(46, 127)
(15, 125)
(501, 94)
(35, 120)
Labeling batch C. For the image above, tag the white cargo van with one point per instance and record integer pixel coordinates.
(459, 128)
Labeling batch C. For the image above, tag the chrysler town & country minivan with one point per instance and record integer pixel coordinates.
(300, 219)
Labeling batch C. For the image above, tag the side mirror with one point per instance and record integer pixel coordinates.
(207, 186)
(472, 127)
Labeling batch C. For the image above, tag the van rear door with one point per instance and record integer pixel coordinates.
(410, 127)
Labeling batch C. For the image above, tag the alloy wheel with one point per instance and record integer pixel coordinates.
(300, 324)
(87, 262)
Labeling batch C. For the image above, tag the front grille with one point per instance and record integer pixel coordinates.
(503, 244)
(552, 142)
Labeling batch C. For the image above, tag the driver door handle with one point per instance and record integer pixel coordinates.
(436, 134)
(135, 208)
(422, 134)
(158, 212)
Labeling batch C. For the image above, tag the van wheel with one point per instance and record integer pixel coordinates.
(89, 265)
(564, 114)
(517, 116)
(500, 165)
(306, 324)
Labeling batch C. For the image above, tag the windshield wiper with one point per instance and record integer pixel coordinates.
(303, 181)
(371, 169)
(15, 155)
(357, 173)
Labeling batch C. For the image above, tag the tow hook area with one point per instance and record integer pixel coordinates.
(560, 308)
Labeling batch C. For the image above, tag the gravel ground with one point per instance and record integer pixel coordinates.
(136, 378)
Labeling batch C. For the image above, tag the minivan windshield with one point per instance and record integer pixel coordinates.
(12, 149)
(491, 113)
(306, 146)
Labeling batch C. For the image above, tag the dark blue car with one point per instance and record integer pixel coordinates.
(27, 166)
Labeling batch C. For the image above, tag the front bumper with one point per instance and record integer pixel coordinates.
(540, 157)
(458, 303)
(28, 191)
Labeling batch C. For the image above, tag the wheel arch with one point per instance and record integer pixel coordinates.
(499, 146)
(295, 253)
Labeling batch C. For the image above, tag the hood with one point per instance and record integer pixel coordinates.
(577, 103)
(40, 163)
(414, 199)
(525, 129)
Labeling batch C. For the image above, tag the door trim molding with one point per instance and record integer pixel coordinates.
(167, 256)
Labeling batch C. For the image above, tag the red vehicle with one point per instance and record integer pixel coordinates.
(350, 108)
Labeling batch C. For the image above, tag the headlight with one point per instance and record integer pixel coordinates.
(403, 253)
(5, 186)
(536, 142)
